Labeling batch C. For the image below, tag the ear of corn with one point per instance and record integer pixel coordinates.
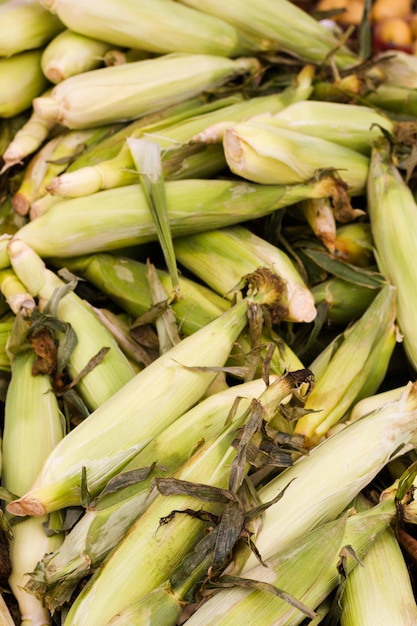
(157, 550)
(283, 22)
(92, 98)
(393, 211)
(109, 443)
(70, 53)
(25, 25)
(17, 95)
(31, 414)
(90, 541)
(15, 293)
(268, 154)
(343, 464)
(346, 301)
(240, 252)
(363, 348)
(159, 26)
(380, 595)
(27, 139)
(109, 375)
(119, 218)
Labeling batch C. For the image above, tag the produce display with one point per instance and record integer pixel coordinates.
(208, 295)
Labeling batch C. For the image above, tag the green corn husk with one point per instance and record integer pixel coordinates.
(150, 552)
(93, 98)
(268, 154)
(161, 26)
(115, 275)
(380, 592)
(51, 160)
(346, 301)
(351, 125)
(103, 445)
(363, 357)
(238, 252)
(392, 210)
(107, 376)
(89, 541)
(295, 31)
(70, 53)
(31, 414)
(342, 465)
(24, 25)
(17, 95)
(6, 326)
(120, 218)
(297, 571)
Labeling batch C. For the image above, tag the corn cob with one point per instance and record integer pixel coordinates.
(267, 154)
(355, 455)
(380, 595)
(119, 171)
(92, 98)
(283, 22)
(331, 396)
(157, 551)
(238, 252)
(109, 375)
(351, 125)
(392, 210)
(70, 53)
(25, 25)
(31, 414)
(160, 26)
(179, 387)
(89, 541)
(17, 95)
(119, 218)
(296, 570)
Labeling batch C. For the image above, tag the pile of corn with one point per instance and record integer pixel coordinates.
(208, 343)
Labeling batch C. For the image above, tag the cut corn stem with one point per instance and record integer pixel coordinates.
(319, 215)
(27, 139)
(15, 293)
(93, 99)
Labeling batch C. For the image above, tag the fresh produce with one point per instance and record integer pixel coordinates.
(208, 348)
